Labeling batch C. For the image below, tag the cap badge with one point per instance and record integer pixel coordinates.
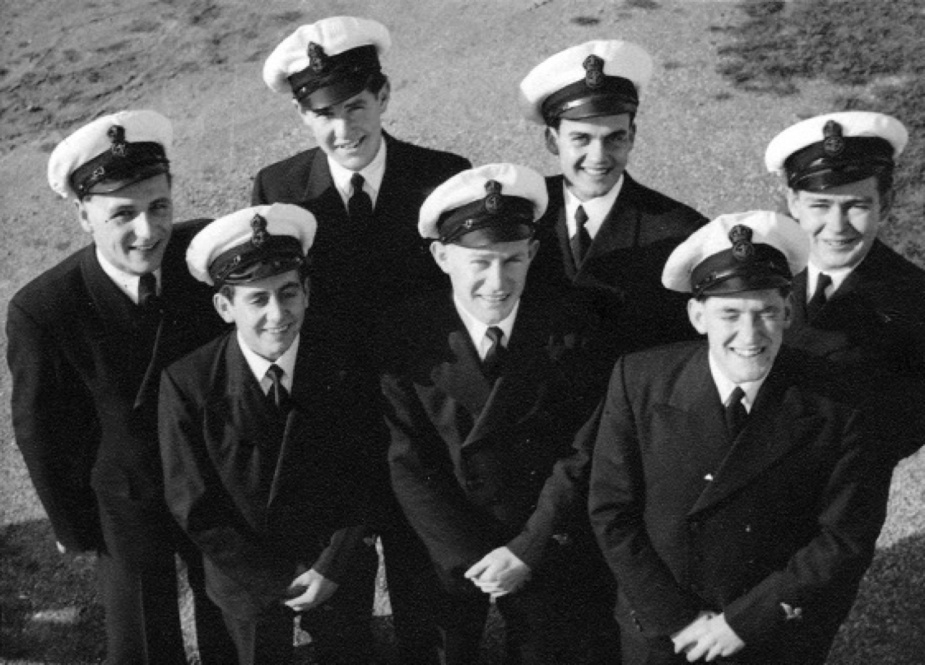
(116, 134)
(260, 235)
(318, 59)
(741, 238)
(833, 144)
(494, 203)
(594, 72)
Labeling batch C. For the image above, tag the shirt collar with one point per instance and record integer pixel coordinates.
(725, 387)
(477, 329)
(259, 365)
(372, 173)
(812, 278)
(596, 209)
(127, 282)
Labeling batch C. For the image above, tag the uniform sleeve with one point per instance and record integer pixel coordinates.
(425, 485)
(616, 506)
(204, 510)
(852, 511)
(56, 429)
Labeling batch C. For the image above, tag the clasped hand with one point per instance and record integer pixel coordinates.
(499, 572)
(318, 589)
(708, 637)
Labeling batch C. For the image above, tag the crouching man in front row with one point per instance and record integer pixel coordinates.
(485, 390)
(735, 496)
(260, 442)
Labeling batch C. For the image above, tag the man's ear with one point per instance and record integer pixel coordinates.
(695, 312)
(793, 203)
(552, 140)
(223, 307)
(384, 95)
(788, 310)
(82, 216)
(307, 288)
(534, 247)
(886, 203)
(438, 251)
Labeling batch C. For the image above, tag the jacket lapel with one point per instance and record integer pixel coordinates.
(518, 391)
(305, 387)
(693, 413)
(771, 432)
(121, 320)
(621, 226)
(237, 425)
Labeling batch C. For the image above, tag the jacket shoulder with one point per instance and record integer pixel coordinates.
(196, 367)
(56, 292)
(660, 364)
(653, 202)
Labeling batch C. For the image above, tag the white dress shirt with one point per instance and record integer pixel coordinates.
(372, 175)
(259, 365)
(812, 278)
(596, 209)
(126, 282)
(477, 329)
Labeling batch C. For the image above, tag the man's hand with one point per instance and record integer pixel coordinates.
(499, 572)
(708, 637)
(317, 589)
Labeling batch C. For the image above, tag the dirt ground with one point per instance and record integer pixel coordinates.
(454, 70)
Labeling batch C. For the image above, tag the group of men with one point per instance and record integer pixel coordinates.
(545, 433)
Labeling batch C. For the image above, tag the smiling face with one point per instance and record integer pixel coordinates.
(268, 313)
(132, 225)
(350, 132)
(592, 152)
(841, 222)
(744, 330)
(488, 280)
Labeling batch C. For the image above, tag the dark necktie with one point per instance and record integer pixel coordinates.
(148, 299)
(360, 206)
(277, 396)
(491, 365)
(735, 413)
(819, 298)
(581, 241)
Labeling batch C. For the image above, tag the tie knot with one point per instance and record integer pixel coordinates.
(275, 374)
(581, 217)
(357, 181)
(495, 334)
(147, 290)
(824, 282)
(735, 397)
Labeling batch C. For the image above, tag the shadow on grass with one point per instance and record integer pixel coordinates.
(48, 603)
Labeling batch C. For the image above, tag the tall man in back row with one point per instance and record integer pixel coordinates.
(859, 303)
(603, 232)
(365, 188)
(87, 342)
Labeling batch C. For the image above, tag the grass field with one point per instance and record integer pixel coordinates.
(729, 76)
